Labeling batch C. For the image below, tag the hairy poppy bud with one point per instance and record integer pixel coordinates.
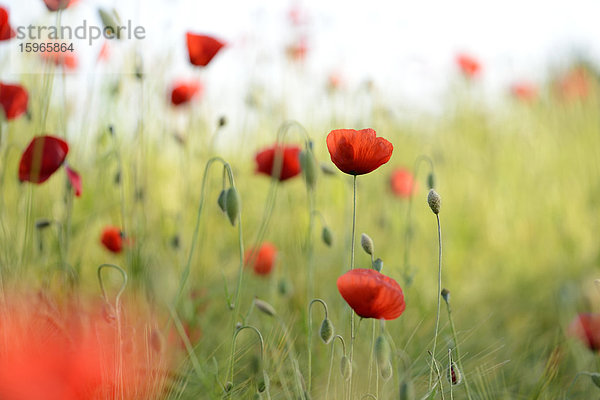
(431, 181)
(110, 20)
(454, 375)
(309, 168)
(382, 352)
(228, 386)
(327, 236)
(326, 330)
(265, 307)
(345, 368)
(446, 295)
(407, 390)
(367, 243)
(386, 372)
(434, 200)
(378, 265)
(233, 205)
(222, 201)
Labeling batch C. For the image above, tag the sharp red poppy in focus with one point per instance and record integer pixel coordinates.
(269, 158)
(586, 327)
(261, 259)
(402, 182)
(14, 100)
(524, 91)
(468, 65)
(202, 49)
(42, 157)
(371, 294)
(6, 31)
(112, 239)
(358, 152)
(183, 92)
(55, 5)
(74, 180)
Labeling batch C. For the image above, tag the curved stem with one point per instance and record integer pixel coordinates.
(309, 338)
(232, 354)
(331, 361)
(458, 358)
(439, 298)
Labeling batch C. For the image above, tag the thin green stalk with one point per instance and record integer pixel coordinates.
(309, 338)
(232, 353)
(439, 298)
(352, 332)
(341, 339)
(458, 357)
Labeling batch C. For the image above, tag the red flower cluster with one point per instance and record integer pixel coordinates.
(371, 294)
(402, 183)
(6, 31)
(262, 259)
(290, 162)
(202, 48)
(358, 152)
(183, 92)
(14, 100)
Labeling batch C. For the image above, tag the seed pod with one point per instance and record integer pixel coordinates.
(222, 201)
(382, 352)
(265, 307)
(434, 200)
(454, 375)
(378, 265)
(386, 372)
(233, 205)
(367, 244)
(309, 166)
(327, 236)
(326, 331)
(407, 390)
(446, 295)
(345, 368)
(431, 181)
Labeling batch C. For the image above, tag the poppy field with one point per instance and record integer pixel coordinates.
(153, 248)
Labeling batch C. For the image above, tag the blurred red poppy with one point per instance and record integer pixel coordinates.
(202, 48)
(586, 327)
(468, 65)
(14, 99)
(66, 59)
(371, 294)
(402, 182)
(575, 84)
(290, 161)
(112, 239)
(262, 259)
(183, 92)
(74, 179)
(43, 156)
(55, 5)
(6, 31)
(104, 53)
(524, 91)
(297, 51)
(358, 152)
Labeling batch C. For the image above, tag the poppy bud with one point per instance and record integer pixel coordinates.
(595, 378)
(222, 121)
(309, 168)
(367, 243)
(454, 375)
(446, 295)
(228, 386)
(386, 372)
(431, 181)
(326, 330)
(434, 201)
(327, 236)
(345, 368)
(407, 391)
(233, 205)
(110, 20)
(326, 169)
(42, 223)
(222, 201)
(283, 287)
(265, 307)
(378, 265)
(382, 352)
(238, 326)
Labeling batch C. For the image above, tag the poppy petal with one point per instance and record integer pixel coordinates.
(43, 156)
(202, 49)
(290, 163)
(14, 100)
(6, 31)
(262, 259)
(358, 152)
(74, 179)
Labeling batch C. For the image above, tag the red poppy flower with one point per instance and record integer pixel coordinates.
(6, 31)
(112, 239)
(469, 66)
(575, 84)
(74, 179)
(55, 5)
(586, 327)
(290, 163)
(104, 53)
(43, 156)
(183, 92)
(402, 183)
(262, 259)
(358, 152)
(202, 48)
(297, 51)
(524, 91)
(66, 59)
(371, 294)
(14, 99)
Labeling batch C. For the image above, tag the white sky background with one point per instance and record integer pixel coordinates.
(406, 47)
